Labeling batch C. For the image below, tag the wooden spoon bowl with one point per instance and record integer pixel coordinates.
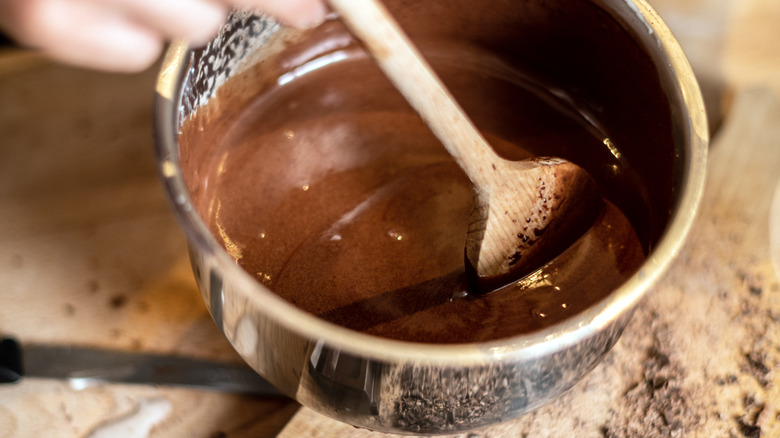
(530, 212)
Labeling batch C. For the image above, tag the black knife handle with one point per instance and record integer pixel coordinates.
(68, 362)
(10, 361)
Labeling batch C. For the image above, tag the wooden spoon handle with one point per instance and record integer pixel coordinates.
(403, 64)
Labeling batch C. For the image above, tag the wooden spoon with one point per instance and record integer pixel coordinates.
(526, 212)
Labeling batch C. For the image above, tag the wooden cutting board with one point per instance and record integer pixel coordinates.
(90, 254)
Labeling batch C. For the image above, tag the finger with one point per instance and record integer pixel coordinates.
(196, 21)
(297, 13)
(85, 33)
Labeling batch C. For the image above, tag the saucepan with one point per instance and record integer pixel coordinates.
(615, 54)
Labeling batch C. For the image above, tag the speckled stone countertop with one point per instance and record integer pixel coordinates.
(90, 254)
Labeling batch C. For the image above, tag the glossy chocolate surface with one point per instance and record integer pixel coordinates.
(324, 184)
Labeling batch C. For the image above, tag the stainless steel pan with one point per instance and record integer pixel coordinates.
(405, 387)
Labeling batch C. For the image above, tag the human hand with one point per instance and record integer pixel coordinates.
(128, 35)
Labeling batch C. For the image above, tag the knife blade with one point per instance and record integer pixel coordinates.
(83, 366)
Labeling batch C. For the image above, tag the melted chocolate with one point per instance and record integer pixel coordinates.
(331, 191)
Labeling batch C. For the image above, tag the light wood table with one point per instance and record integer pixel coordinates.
(90, 254)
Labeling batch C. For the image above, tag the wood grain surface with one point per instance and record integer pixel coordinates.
(90, 254)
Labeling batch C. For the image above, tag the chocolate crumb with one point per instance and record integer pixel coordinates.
(748, 423)
(755, 366)
(118, 301)
(658, 404)
(749, 430)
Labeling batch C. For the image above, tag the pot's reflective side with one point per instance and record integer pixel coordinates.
(396, 386)
(396, 396)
